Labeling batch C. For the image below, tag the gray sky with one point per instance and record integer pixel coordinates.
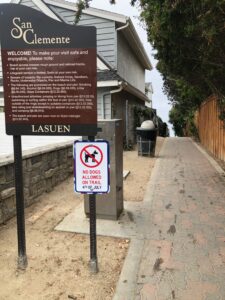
(160, 101)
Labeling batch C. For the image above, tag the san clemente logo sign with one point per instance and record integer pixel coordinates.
(25, 31)
(50, 88)
(49, 74)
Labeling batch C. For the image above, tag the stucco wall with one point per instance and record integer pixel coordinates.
(128, 65)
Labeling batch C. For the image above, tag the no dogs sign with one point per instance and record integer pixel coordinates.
(91, 167)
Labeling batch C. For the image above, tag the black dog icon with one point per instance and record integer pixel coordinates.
(91, 156)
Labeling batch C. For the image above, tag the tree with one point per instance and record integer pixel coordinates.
(163, 129)
(189, 39)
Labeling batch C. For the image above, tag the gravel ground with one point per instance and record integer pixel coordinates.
(58, 261)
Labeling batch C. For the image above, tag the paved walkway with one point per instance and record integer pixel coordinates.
(177, 234)
(183, 256)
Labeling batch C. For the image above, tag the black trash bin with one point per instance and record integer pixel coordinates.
(146, 140)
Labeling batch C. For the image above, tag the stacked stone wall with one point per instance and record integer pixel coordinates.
(42, 170)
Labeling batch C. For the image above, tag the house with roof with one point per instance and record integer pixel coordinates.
(121, 60)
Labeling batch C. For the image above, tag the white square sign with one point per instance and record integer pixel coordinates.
(91, 167)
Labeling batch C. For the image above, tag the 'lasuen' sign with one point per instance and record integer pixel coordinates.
(49, 74)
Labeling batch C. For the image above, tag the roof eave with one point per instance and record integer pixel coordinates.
(100, 57)
(107, 83)
(42, 6)
(89, 11)
(132, 90)
(126, 86)
(137, 45)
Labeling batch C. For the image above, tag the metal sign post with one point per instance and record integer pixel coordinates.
(91, 173)
(22, 256)
(93, 239)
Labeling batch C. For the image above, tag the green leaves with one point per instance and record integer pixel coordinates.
(189, 38)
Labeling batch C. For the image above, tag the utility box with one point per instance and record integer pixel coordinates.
(110, 206)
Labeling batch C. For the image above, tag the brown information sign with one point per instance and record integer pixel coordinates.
(49, 74)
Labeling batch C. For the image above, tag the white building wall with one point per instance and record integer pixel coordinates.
(128, 65)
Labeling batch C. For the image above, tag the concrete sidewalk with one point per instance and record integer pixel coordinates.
(177, 233)
(184, 258)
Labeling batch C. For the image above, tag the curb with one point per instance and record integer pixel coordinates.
(211, 160)
(126, 287)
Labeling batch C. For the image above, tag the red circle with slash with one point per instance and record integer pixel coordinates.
(85, 155)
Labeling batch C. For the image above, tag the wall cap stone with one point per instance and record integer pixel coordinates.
(9, 159)
(8, 193)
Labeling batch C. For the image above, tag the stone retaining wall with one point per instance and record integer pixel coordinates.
(43, 168)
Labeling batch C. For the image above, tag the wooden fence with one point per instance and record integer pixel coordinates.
(210, 128)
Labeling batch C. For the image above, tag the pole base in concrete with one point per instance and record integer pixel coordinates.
(93, 266)
(22, 262)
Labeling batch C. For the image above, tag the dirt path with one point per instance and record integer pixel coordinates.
(58, 261)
